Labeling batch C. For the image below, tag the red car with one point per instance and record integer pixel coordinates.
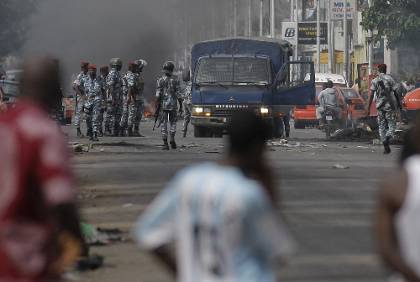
(411, 104)
(306, 115)
(356, 104)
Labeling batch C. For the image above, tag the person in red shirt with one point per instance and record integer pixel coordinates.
(37, 197)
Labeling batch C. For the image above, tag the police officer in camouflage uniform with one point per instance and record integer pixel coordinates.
(93, 103)
(78, 85)
(125, 104)
(114, 98)
(187, 100)
(384, 92)
(132, 93)
(139, 108)
(103, 73)
(167, 94)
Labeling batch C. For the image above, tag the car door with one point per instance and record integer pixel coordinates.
(295, 84)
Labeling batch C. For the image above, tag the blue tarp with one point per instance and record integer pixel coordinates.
(277, 51)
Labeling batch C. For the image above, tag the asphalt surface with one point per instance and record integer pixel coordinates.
(328, 193)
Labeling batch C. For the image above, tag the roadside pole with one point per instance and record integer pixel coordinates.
(261, 17)
(318, 36)
(331, 50)
(250, 18)
(370, 46)
(235, 18)
(346, 44)
(297, 30)
(273, 19)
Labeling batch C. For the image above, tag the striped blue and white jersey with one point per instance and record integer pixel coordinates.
(222, 223)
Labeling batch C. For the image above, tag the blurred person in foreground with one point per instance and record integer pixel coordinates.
(221, 215)
(398, 213)
(3, 106)
(38, 218)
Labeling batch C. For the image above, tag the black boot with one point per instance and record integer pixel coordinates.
(130, 131)
(101, 132)
(79, 133)
(116, 132)
(173, 144)
(89, 132)
(387, 148)
(184, 134)
(165, 145)
(137, 131)
(94, 137)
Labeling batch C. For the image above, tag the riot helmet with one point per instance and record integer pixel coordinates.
(168, 67)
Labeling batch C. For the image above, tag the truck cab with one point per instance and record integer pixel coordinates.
(246, 74)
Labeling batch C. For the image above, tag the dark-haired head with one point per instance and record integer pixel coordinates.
(248, 134)
(382, 68)
(411, 142)
(41, 82)
(329, 84)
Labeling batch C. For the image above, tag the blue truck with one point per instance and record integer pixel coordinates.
(246, 74)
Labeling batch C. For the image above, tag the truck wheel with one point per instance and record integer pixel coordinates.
(217, 133)
(299, 125)
(199, 132)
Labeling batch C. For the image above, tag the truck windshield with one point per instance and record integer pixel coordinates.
(233, 71)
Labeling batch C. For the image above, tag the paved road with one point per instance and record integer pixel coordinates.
(329, 210)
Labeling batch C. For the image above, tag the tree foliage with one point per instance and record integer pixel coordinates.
(14, 15)
(398, 20)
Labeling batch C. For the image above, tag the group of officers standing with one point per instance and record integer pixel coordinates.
(113, 103)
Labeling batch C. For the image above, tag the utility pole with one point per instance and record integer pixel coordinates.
(297, 30)
(346, 43)
(273, 19)
(261, 17)
(370, 46)
(331, 50)
(318, 36)
(235, 18)
(250, 18)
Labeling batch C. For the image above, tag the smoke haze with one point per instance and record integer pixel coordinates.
(155, 30)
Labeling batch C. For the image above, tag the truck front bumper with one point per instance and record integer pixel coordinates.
(217, 122)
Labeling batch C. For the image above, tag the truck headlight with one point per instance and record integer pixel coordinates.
(198, 110)
(264, 111)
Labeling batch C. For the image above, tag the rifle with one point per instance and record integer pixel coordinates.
(157, 113)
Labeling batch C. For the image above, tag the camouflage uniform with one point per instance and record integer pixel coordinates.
(93, 104)
(387, 108)
(135, 109)
(102, 82)
(124, 114)
(79, 83)
(113, 113)
(187, 103)
(168, 93)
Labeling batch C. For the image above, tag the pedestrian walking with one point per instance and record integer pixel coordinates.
(397, 225)
(93, 104)
(167, 94)
(384, 92)
(187, 101)
(80, 96)
(114, 98)
(220, 215)
(37, 210)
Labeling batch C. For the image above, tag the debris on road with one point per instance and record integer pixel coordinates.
(80, 148)
(192, 145)
(94, 236)
(90, 263)
(340, 166)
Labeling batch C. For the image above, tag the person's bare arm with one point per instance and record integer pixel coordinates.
(391, 199)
